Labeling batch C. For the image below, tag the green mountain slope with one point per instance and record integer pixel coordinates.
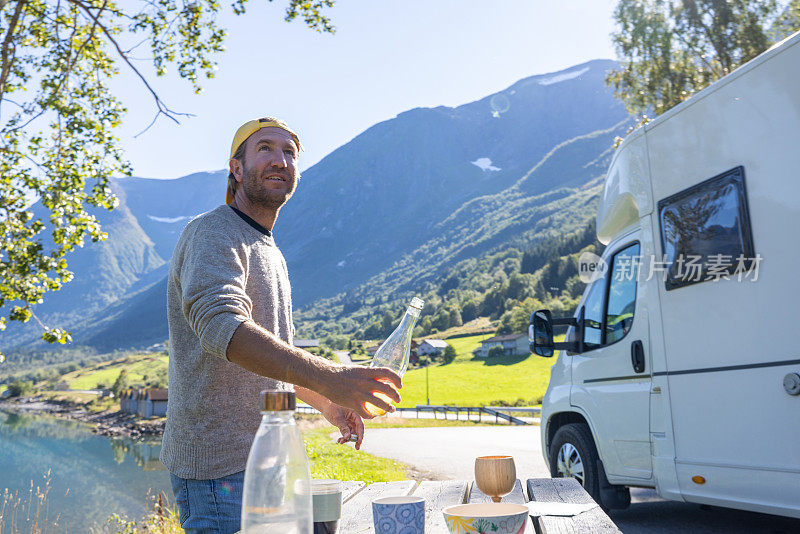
(486, 230)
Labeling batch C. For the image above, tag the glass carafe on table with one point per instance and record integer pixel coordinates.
(277, 490)
(395, 350)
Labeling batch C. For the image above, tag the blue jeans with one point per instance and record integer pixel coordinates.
(209, 506)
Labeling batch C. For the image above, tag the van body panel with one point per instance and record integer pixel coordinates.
(627, 195)
(724, 485)
(662, 444)
(742, 417)
(556, 398)
(711, 401)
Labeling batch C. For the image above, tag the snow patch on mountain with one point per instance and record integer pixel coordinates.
(563, 77)
(169, 219)
(485, 164)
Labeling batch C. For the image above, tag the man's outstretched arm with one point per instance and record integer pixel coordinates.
(261, 352)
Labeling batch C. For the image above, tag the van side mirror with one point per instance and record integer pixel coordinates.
(540, 333)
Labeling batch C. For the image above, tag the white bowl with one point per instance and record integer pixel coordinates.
(497, 518)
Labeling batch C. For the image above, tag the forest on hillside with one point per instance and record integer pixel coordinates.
(506, 286)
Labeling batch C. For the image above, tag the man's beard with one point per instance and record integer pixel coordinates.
(259, 195)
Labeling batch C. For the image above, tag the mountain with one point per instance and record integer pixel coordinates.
(394, 209)
(386, 192)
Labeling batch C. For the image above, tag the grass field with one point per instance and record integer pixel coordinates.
(140, 368)
(328, 459)
(466, 381)
(470, 381)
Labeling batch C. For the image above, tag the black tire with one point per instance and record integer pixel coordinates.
(579, 437)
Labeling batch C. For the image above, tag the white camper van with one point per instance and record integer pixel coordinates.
(681, 368)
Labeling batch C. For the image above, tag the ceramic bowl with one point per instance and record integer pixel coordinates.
(494, 518)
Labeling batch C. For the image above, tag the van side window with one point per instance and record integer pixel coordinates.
(593, 319)
(706, 227)
(622, 293)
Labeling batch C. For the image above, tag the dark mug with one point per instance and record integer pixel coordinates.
(326, 498)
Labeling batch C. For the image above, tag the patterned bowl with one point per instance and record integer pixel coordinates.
(486, 518)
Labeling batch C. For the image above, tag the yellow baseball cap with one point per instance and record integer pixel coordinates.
(247, 129)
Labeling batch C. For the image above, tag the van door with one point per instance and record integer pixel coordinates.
(611, 379)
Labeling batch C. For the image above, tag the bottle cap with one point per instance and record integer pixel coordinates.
(273, 400)
(417, 302)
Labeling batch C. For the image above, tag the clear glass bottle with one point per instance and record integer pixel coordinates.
(277, 493)
(394, 352)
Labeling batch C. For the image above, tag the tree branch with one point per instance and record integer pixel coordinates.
(6, 64)
(74, 60)
(162, 108)
(44, 327)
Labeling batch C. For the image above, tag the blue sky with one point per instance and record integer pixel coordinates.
(386, 57)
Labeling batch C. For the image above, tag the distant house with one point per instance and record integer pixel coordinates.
(306, 343)
(432, 346)
(128, 400)
(512, 345)
(144, 402)
(61, 386)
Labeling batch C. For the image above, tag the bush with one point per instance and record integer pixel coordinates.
(120, 383)
(336, 341)
(495, 351)
(18, 388)
(449, 353)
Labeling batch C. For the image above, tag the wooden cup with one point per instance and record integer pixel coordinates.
(495, 475)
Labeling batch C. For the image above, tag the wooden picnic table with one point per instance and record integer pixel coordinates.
(357, 504)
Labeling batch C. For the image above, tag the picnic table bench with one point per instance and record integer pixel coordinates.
(357, 504)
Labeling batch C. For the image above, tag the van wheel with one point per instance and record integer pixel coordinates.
(573, 454)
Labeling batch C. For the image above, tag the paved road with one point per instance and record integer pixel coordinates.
(344, 356)
(449, 452)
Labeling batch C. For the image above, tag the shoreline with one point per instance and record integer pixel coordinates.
(116, 424)
(106, 423)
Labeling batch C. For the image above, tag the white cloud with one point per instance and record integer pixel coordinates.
(341, 264)
(563, 77)
(485, 164)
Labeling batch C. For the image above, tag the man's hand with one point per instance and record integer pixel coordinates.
(347, 421)
(353, 386)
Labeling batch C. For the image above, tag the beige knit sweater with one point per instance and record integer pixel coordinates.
(223, 272)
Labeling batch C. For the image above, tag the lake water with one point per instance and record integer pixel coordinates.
(91, 477)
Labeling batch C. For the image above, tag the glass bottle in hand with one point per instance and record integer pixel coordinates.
(395, 350)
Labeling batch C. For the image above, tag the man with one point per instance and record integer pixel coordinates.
(230, 331)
